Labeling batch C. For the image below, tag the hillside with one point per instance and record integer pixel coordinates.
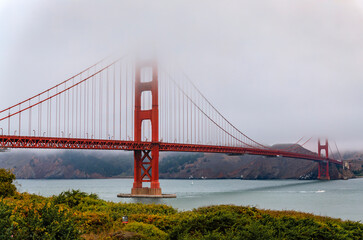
(53, 164)
(58, 164)
(250, 167)
(355, 160)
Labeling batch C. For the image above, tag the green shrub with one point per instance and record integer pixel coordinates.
(73, 198)
(7, 188)
(237, 223)
(95, 221)
(117, 210)
(200, 224)
(27, 216)
(37, 221)
(147, 230)
(6, 228)
(163, 222)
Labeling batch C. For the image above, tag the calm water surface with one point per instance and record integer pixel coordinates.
(339, 199)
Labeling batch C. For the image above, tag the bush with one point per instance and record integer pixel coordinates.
(73, 198)
(121, 209)
(7, 188)
(201, 223)
(37, 221)
(5, 222)
(27, 216)
(148, 231)
(95, 221)
(237, 223)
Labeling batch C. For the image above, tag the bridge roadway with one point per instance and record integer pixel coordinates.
(7, 141)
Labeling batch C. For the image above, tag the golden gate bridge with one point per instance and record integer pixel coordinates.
(140, 107)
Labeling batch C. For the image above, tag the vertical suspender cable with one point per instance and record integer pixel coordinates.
(185, 134)
(187, 112)
(195, 119)
(68, 113)
(114, 100)
(170, 116)
(47, 131)
(120, 109)
(56, 113)
(179, 109)
(198, 97)
(50, 117)
(72, 132)
(76, 96)
(126, 109)
(107, 106)
(30, 119)
(85, 88)
(99, 114)
(93, 107)
(175, 112)
(132, 100)
(19, 118)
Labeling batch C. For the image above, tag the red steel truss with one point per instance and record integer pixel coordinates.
(100, 144)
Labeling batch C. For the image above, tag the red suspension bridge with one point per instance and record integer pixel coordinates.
(117, 105)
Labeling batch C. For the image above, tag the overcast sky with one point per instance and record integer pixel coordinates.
(278, 70)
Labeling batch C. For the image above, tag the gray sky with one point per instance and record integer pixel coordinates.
(278, 70)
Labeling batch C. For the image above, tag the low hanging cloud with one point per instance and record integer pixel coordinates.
(278, 70)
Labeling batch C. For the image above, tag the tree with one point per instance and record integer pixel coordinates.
(7, 188)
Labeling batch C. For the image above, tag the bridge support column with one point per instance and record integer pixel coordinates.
(323, 167)
(146, 162)
(146, 169)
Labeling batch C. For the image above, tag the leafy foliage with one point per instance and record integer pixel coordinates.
(235, 222)
(34, 220)
(72, 213)
(73, 198)
(7, 188)
(148, 231)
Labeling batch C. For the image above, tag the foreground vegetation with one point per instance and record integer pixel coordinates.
(77, 215)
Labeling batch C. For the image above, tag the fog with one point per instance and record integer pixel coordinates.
(278, 70)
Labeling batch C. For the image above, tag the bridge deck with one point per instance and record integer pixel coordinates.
(78, 143)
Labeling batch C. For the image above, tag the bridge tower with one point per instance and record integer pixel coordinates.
(146, 162)
(323, 168)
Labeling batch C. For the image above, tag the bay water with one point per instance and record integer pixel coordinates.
(339, 198)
